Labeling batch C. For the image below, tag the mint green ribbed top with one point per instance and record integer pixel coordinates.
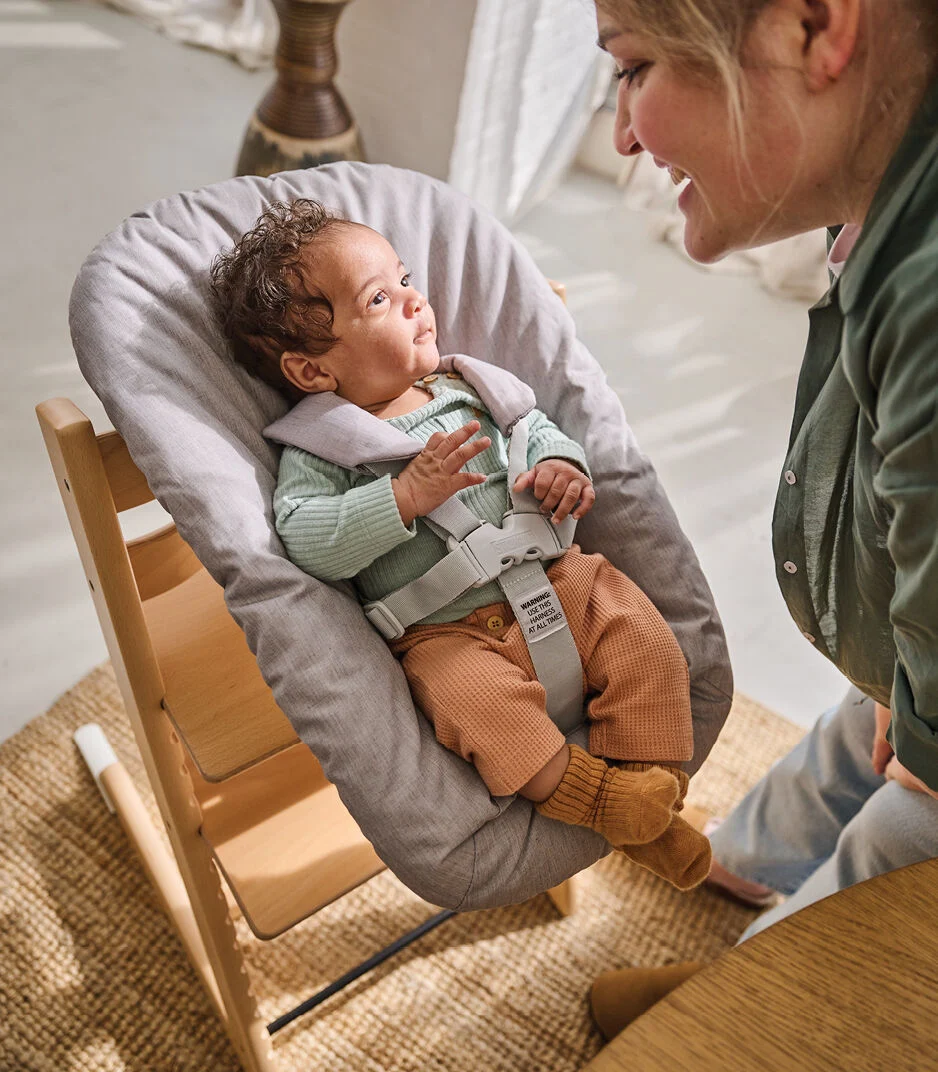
(339, 523)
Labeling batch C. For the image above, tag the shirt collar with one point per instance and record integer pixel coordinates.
(916, 153)
(842, 247)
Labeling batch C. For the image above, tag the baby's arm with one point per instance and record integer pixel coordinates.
(329, 528)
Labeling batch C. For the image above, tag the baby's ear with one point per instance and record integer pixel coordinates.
(306, 373)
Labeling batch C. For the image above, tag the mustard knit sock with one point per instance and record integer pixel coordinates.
(628, 806)
(681, 855)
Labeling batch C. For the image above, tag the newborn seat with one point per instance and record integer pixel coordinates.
(148, 344)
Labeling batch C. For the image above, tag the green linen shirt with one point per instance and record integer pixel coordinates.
(339, 523)
(855, 531)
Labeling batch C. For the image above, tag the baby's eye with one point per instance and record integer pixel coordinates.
(405, 280)
(630, 73)
(379, 299)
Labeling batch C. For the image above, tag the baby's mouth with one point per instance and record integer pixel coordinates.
(677, 176)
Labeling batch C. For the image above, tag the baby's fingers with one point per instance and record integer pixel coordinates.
(468, 480)
(568, 500)
(453, 462)
(447, 444)
(556, 490)
(525, 480)
(587, 498)
(544, 477)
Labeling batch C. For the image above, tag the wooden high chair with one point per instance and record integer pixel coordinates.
(243, 800)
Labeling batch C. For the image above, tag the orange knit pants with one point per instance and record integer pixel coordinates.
(474, 679)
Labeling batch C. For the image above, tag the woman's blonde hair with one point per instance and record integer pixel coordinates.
(708, 37)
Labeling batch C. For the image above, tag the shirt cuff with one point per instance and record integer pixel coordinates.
(569, 452)
(379, 516)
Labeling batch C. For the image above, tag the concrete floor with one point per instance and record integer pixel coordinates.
(104, 115)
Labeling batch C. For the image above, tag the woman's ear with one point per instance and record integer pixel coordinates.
(829, 29)
(306, 373)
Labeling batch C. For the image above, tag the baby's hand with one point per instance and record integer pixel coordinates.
(560, 486)
(436, 473)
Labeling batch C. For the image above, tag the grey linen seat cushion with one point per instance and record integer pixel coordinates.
(147, 342)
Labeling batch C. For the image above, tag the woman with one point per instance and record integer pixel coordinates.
(784, 116)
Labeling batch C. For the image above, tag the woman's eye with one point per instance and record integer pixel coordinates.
(379, 298)
(630, 73)
(405, 280)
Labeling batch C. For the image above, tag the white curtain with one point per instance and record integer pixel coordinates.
(245, 29)
(533, 79)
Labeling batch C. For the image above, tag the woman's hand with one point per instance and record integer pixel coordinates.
(895, 772)
(436, 473)
(882, 749)
(560, 486)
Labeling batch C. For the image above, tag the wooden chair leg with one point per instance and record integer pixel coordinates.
(197, 908)
(569, 894)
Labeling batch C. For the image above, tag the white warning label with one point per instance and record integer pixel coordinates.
(540, 614)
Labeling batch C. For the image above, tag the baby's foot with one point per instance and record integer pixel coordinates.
(681, 855)
(630, 805)
(635, 804)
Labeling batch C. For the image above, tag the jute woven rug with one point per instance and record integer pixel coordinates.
(92, 977)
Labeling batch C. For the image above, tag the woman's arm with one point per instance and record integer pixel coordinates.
(904, 372)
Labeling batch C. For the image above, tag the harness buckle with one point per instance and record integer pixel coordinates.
(383, 620)
(522, 537)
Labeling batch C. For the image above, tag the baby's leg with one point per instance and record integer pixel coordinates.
(483, 707)
(477, 686)
(637, 672)
(641, 709)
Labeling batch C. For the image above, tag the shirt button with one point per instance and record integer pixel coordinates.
(808, 636)
(790, 477)
(789, 567)
(431, 379)
(453, 376)
(494, 622)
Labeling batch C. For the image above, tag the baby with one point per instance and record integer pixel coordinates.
(314, 303)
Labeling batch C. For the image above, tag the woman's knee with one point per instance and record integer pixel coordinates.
(895, 827)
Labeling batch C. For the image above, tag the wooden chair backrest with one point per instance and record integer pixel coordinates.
(174, 646)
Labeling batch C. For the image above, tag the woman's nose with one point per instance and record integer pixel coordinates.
(623, 139)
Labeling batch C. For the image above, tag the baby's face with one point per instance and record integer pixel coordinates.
(385, 327)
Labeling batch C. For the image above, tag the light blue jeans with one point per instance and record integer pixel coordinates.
(821, 819)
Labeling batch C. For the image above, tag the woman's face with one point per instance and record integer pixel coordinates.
(730, 201)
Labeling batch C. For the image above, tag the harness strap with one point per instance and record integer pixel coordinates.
(550, 642)
(513, 555)
(522, 501)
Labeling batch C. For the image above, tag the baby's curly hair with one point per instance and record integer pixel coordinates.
(263, 302)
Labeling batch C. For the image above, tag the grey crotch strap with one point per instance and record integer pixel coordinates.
(537, 606)
(511, 555)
